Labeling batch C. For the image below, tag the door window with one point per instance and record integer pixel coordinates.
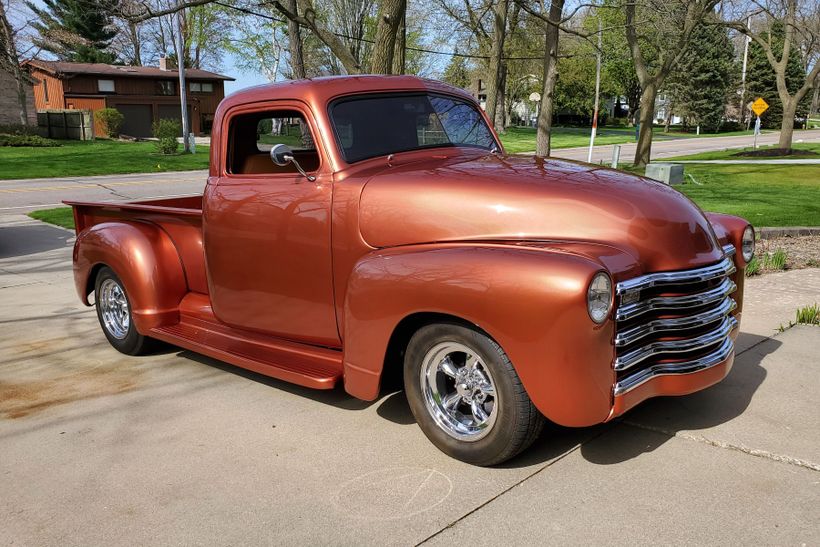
(253, 135)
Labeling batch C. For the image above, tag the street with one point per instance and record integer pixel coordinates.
(176, 448)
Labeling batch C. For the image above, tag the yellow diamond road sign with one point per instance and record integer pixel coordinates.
(759, 106)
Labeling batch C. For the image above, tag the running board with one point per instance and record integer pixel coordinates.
(309, 366)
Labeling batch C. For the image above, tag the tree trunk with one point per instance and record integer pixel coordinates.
(494, 71)
(542, 136)
(297, 59)
(399, 56)
(390, 16)
(501, 103)
(10, 62)
(787, 125)
(647, 115)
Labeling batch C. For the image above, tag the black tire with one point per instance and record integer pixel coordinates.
(128, 341)
(517, 423)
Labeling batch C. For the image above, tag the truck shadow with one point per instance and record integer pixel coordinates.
(27, 239)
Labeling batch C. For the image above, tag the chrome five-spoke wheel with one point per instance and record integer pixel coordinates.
(458, 391)
(114, 309)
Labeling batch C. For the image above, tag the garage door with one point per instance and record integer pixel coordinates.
(173, 112)
(137, 119)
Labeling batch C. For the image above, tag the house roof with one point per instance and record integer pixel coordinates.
(60, 68)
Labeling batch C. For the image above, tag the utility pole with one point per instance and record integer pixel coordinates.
(183, 95)
(746, 41)
(597, 94)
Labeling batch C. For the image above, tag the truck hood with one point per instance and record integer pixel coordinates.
(520, 198)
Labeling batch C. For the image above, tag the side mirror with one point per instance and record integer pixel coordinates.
(281, 155)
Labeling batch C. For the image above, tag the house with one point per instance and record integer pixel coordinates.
(143, 94)
(10, 102)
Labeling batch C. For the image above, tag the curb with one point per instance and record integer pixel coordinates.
(788, 231)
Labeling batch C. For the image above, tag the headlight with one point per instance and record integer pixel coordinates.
(748, 244)
(599, 297)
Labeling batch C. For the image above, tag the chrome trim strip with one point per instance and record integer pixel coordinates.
(729, 250)
(723, 268)
(677, 323)
(682, 367)
(675, 346)
(715, 294)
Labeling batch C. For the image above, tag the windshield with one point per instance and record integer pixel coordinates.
(384, 124)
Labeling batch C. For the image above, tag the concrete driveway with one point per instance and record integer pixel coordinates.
(97, 448)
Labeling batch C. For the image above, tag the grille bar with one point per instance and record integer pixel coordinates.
(680, 367)
(634, 357)
(710, 296)
(721, 269)
(634, 334)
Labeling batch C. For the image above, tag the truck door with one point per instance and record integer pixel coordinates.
(267, 228)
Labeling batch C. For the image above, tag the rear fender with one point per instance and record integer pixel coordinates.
(532, 302)
(144, 258)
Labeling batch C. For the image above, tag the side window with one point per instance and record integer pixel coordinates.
(253, 135)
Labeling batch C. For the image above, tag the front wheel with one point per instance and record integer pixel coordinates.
(114, 313)
(466, 395)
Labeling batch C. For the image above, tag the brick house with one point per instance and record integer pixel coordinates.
(9, 102)
(143, 94)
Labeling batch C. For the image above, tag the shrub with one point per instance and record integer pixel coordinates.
(753, 267)
(111, 120)
(166, 132)
(775, 260)
(26, 140)
(19, 129)
(808, 315)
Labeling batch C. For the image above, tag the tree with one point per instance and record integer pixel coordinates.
(496, 68)
(75, 30)
(800, 30)
(10, 62)
(662, 30)
(457, 74)
(704, 78)
(761, 80)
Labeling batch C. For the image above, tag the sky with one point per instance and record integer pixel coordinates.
(243, 79)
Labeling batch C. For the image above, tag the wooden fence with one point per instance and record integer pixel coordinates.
(67, 124)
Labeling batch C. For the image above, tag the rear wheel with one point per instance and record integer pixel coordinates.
(466, 395)
(114, 313)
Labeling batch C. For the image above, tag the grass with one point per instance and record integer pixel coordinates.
(765, 195)
(99, 157)
(522, 139)
(730, 154)
(61, 216)
(808, 315)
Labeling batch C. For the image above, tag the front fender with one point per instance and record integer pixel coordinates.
(531, 301)
(144, 258)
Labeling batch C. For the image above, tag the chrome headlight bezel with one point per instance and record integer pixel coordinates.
(747, 244)
(599, 297)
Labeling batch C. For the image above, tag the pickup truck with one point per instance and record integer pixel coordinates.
(352, 227)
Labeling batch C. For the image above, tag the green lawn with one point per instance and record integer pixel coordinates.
(100, 157)
(61, 216)
(522, 139)
(765, 195)
(730, 154)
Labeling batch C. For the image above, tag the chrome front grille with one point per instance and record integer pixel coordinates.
(674, 322)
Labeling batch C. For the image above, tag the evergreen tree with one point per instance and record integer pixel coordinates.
(705, 77)
(457, 74)
(75, 30)
(761, 80)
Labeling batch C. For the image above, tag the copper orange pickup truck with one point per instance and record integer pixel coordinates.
(352, 227)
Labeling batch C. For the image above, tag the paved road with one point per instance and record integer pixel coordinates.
(97, 448)
(25, 195)
(680, 147)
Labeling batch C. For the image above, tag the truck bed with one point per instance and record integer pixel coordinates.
(180, 218)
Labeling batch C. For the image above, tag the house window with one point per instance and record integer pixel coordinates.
(166, 87)
(105, 86)
(45, 90)
(202, 87)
